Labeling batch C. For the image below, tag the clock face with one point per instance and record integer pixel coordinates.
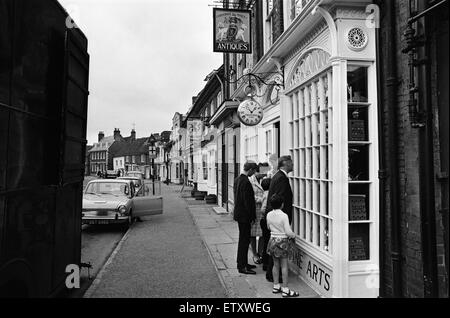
(250, 112)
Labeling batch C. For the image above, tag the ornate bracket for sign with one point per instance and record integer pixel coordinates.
(254, 80)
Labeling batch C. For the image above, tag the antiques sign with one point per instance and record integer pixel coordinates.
(232, 31)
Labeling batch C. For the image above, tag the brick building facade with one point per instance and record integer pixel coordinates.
(413, 48)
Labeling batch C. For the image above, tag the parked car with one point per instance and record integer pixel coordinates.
(115, 201)
(139, 186)
(136, 174)
(111, 174)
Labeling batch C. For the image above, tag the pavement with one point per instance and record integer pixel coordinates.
(187, 252)
(220, 234)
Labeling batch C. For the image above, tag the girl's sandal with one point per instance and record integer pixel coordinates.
(257, 260)
(290, 293)
(276, 290)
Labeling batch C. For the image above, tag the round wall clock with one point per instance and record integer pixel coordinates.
(250, 112)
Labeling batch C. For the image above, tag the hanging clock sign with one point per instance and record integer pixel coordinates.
(250, 112)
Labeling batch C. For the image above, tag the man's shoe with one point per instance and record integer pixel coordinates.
(250, 266)
(247, 271)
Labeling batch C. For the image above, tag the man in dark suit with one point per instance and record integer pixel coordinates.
(279, 185)
(245, 215)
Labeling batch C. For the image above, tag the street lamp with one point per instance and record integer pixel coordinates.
(152, 155)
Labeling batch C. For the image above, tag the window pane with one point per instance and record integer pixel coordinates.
(359, 242)
(357, 84)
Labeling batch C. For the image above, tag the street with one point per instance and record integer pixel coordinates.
(98, 242)
(161, 257)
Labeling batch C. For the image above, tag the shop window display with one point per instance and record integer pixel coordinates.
(358, 161)
(311, 150)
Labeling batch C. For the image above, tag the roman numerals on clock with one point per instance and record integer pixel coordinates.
(250, 112)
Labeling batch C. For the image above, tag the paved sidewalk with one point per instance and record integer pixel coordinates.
(220, 234)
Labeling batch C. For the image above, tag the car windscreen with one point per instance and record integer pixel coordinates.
(111, 188)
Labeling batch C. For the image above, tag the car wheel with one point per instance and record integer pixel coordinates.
(129, 221)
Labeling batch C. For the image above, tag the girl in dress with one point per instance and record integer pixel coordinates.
(279, 245)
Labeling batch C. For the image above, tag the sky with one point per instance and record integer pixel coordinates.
(148, 58)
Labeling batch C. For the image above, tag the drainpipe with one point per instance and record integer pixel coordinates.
(392, 155)
(382, 165)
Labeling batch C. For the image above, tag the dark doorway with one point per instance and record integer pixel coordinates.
(277, 139)
(224, 174)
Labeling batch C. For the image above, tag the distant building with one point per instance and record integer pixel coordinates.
(133, 155)
(87, 162)
(202, 143)
(160, 160)
(99, 153)
(178, 166)
(117, 145)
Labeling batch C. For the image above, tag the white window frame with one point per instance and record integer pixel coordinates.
(251, 144)
(312, 181)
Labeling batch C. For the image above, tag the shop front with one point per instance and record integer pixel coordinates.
(227, 145)
(326, 120)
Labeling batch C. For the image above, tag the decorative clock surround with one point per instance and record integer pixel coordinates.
(250, 112)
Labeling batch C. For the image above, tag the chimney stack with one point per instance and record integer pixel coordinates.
(133, 134)
(117, 134)
(101, 135)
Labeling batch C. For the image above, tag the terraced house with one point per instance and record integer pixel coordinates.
(99, 153)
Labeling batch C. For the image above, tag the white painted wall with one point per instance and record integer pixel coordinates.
(118, 163)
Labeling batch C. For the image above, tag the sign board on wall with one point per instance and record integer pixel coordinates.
(232, 31)
(313, 271)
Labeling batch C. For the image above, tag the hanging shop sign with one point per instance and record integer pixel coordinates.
(250, 112)
(232, 31)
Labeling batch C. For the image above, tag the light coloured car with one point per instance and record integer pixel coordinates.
(109, 201)
(136, 174)
(139, 186)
